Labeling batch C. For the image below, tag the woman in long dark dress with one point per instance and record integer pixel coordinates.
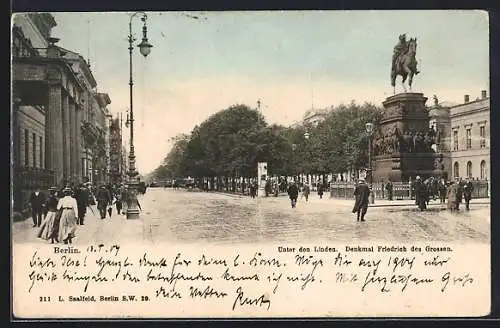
(50, 224)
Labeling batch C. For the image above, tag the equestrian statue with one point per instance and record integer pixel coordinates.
(404, 62)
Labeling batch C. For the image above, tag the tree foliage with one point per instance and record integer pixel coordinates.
(232, 141)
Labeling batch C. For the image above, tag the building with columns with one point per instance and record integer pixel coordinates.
(51, 95)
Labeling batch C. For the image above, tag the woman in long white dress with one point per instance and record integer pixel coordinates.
(69, 213)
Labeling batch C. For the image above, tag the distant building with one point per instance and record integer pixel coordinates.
(315, 116)
(464, 136)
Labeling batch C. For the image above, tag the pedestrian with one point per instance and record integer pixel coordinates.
(320, 190)
(37, 202)
(306, 191)
(103, 200)
(468, 189)
(82, 199)
(68, 211)
(361, 192)
(118, 196)
(253, 189)
(421, 194)
(417, 185)
(113, 199)
(293, 193)
(452, 196)
(124, 199)
(389, 188)
(460, 192)
(442, 189)
(267, 187)
(49, 227)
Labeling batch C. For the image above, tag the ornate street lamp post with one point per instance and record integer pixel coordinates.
(306, 137)
(133, 183)
(369, 131)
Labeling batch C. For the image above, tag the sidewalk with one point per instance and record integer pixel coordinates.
(95, 230)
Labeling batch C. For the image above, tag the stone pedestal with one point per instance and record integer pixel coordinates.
(404, 112)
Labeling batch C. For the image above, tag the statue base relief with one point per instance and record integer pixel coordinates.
(403, 154)
(402, 167)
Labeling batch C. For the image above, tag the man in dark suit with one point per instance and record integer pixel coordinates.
(103, 200)
(82, 196)
(362, 191)
(468, 188)
(293, 193)
(36, 202)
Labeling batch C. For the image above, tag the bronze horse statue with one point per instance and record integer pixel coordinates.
(406, 65)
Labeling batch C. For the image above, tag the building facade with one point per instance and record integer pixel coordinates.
(464, 137)
(470, 138)
(115, 151)
(49, 109)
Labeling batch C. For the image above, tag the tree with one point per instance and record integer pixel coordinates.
(232, 141)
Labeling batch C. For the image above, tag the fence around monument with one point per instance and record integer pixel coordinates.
(400, 190)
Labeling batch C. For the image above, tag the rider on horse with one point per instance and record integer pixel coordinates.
(399, 51)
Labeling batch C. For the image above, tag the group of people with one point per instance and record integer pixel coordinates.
(454, 192)
(294, 189)
(58, 214)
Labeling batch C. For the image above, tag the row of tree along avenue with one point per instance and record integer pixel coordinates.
(230, 143)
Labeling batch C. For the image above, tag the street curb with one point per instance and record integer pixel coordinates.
(400, 205)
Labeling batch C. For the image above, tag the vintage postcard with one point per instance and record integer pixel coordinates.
(250, 164)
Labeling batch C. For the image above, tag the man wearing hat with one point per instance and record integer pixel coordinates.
(37, 202)
(421, 194)
(103, 200)
(82, 199)
(468, 188)
(361, 192)
(293, 193)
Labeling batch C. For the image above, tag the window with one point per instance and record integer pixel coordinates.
(456, 170)
(469, 138)
(34, 150)
(26, 148)
(483, 170)
(41, 152)
(455, 140)
(469, 169)
(482, 136)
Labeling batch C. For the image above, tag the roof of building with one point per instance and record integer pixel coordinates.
(475, 105)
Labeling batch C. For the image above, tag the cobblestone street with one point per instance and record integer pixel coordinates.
(178, 216)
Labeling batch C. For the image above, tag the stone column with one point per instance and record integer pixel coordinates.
(78, 142)
(66, 136)
(78, 134)
(71, 128)
(53, 132)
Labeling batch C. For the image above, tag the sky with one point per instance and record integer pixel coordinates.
(291, 60)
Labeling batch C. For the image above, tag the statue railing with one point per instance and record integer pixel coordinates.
(400, 190)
